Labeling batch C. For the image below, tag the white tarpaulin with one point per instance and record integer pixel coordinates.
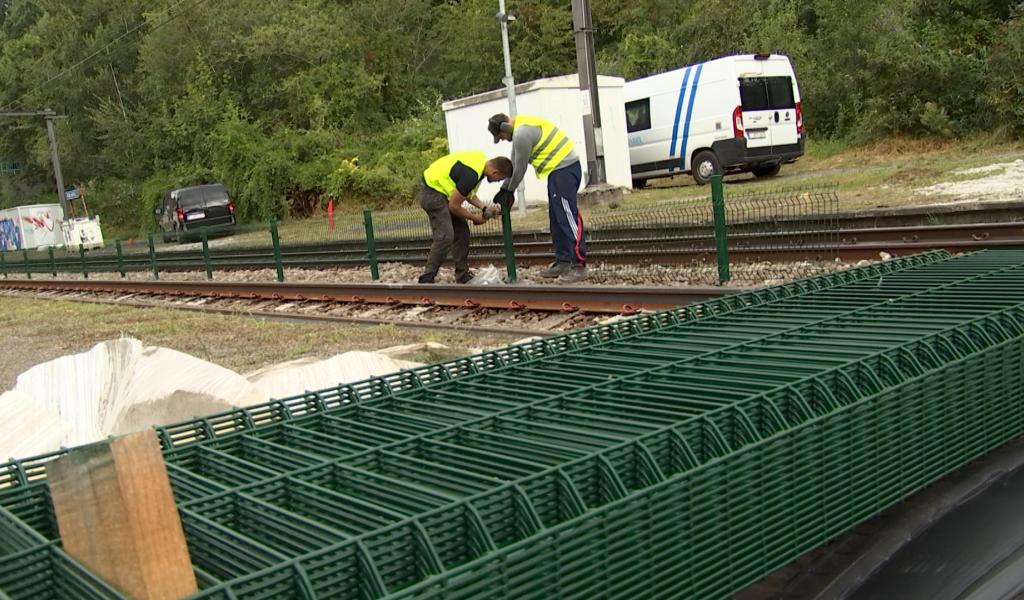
(121, 386)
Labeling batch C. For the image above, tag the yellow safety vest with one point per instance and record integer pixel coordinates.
(439, 174)
(552, 148)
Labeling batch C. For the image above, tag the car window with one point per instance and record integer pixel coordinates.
(766, 93)
(780, 92)
(753, 93)
(190, 199)
(638, 115)
(215, 196)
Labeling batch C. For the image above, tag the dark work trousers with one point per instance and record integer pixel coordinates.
(450, 233)
(564, 216)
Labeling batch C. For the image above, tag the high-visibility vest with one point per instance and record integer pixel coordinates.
(439, 174)
(552, 148)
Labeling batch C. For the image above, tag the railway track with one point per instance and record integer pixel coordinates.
(519, 310)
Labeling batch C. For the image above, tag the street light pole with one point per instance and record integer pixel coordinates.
(510, 86)
(583, 28)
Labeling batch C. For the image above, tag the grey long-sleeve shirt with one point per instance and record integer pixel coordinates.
(524, 138)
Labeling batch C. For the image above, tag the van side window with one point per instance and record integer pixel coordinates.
(766, 93)
(638, 115)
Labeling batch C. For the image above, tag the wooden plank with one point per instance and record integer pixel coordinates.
(117, 517)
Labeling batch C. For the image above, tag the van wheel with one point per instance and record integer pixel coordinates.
(705, 164)
(766, 170)
(639, 184)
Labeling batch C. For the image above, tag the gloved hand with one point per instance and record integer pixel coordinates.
(505, 198)
(492, 211)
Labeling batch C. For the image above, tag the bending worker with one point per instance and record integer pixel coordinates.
(552, 155)
(447, 183)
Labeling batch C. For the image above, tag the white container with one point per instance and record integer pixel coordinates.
(82, 231)
(557, 99)
(30, 227)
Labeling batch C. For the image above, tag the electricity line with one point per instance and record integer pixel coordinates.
(171, 16)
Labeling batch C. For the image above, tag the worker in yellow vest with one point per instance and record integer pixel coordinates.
(447, 183)
(541, 143)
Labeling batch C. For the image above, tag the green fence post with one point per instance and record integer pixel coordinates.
(206, 253)
(3, 263)
(28, 270)
(152, 258)
(721, 233)
(81, 256)
(53, 262)
(120, 258)
(275, 237)
(506, 234)
(371, 244)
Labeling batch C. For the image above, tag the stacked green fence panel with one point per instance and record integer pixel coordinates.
(686, 457)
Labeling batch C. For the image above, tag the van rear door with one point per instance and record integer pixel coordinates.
(757, 112)
(782, 101)
(769, 112)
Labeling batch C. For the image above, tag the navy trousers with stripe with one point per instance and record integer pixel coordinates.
(564, 216)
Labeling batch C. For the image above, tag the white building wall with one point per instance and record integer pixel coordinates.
(558, 99)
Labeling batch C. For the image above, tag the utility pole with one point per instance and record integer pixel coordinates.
(583, 29)
(510, 87)
(51, 135)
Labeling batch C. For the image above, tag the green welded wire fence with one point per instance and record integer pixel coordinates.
(771, 235)
(688, 457)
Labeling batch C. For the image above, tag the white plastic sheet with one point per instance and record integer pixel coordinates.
(121, 386)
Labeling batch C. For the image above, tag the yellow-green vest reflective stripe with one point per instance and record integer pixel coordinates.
(552, 148)
(439, 174)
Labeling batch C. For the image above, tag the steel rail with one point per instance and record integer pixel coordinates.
(588, 299)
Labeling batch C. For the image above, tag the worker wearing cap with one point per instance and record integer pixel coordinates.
(446, 184)
(541, 143)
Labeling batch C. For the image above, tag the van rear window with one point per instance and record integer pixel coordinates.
(766, 93)
(754, 93)
(190, 199)
(216, 196)
(780, 92)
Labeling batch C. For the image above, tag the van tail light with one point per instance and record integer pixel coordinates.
(737, 121)
(181, 215)
(799, 120)
(231, 205)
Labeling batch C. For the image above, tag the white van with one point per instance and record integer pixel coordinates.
(729, 115)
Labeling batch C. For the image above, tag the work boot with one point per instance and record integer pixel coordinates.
(555, 269)
(575, 274)
(426, 278)
(465, 277)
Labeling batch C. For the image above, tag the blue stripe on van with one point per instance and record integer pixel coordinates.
(689, 114)
(679, 111)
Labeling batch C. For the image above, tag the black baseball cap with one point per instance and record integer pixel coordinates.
(494, 125)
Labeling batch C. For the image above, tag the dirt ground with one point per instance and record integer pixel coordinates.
(35, 331)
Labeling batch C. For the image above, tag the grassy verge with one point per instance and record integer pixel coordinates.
(885, 174)
(35, 331)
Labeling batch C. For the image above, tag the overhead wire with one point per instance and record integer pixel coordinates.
(170, 17)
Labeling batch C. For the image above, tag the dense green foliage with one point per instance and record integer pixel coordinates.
(286, 102)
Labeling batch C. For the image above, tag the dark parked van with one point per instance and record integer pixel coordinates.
(186, 210)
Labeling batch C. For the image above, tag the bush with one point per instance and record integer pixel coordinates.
(1006, 78)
